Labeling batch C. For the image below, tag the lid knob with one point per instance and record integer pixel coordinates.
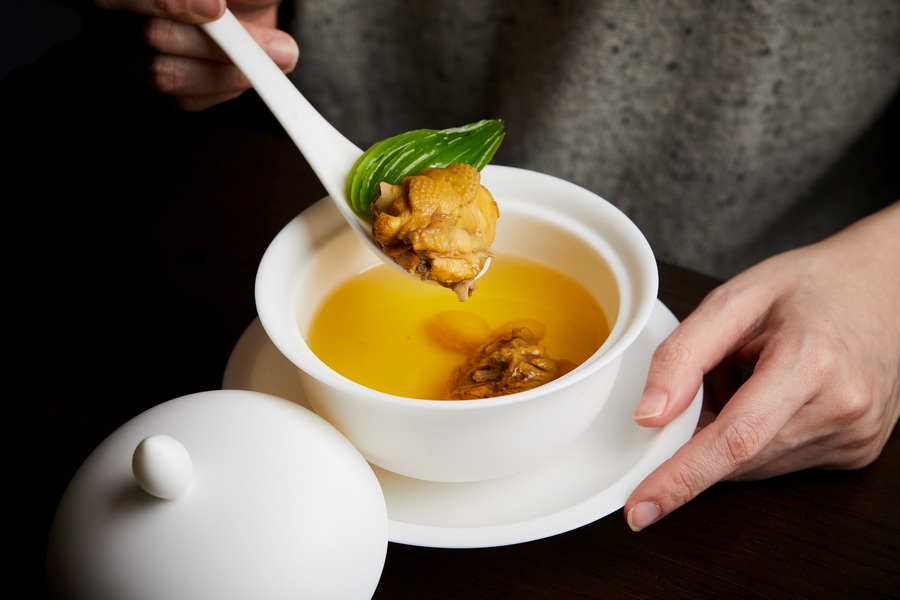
(162, 467)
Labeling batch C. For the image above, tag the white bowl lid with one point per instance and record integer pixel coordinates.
(221, 494)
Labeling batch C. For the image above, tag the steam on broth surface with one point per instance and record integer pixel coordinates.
(384, 330)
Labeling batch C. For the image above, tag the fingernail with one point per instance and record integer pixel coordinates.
(652, 404)
(283, 52)
(643, 515)
(205, 8)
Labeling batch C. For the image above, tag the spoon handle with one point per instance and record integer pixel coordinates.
(329, 153)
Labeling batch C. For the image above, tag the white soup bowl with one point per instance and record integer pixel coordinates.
(542, 218)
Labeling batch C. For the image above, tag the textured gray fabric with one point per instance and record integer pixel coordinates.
(727, 130)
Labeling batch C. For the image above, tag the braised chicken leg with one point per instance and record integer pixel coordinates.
(439, 225)
(511, 361)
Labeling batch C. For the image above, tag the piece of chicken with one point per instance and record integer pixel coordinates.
(439, 225)
(511, 361)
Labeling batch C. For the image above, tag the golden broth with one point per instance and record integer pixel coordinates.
(377, 328)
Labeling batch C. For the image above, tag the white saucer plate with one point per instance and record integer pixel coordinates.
(588, 481)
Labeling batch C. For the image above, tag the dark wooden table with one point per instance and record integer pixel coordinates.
(131, 238)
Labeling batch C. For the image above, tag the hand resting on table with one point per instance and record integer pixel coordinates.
(821, 327)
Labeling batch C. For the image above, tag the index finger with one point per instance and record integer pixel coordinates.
(184, 11)
(747, 423)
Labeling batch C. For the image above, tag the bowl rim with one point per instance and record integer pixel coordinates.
(641, 306)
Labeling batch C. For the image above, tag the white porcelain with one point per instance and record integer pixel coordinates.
(587, 481)
(543, 218)
(163, 467)
(328, 152)
(277, 504)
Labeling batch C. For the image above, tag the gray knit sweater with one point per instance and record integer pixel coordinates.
(728, 130)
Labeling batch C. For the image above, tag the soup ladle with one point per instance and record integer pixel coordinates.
(330, 154)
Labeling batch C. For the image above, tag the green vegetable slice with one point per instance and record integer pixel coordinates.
(406, 154)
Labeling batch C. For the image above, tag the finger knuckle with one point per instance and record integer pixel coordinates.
(810, 357)
(863, 437)
(721, 296)
(177, 9)
(160, 34)
(686, 484)
(855, 408)
(824, 357)
(674, 352)
(818, 356)
(742, 440)
(165, 75)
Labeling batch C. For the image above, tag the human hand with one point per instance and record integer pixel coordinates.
(178, 60)
(822, 325)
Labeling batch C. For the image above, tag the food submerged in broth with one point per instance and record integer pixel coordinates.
(526, 326)
(509, 360)
(438, 225)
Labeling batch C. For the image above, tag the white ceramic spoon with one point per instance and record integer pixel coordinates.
(329, 153)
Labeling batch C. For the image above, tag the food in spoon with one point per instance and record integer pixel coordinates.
(430, 212)
(406, 154)
(439, 225)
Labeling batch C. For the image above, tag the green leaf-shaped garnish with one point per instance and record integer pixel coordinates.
(406, 154)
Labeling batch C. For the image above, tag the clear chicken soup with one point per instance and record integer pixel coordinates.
(388, 332)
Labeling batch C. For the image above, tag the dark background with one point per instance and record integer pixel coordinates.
(30, 27)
